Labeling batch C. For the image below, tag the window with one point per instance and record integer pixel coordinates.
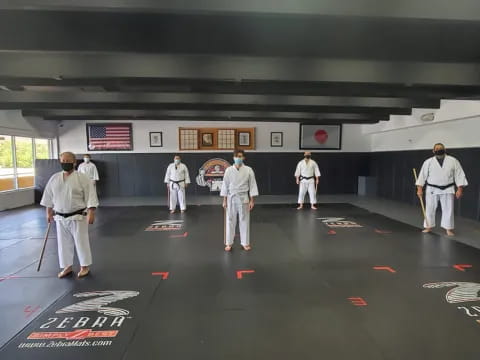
(7, 171)
(24, 161)
(42, 149)
(17, 160)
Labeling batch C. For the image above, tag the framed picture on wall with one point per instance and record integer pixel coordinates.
(109, 136)
(243, 138)
(207, 139)
(156, 139)
(276, 139)
(320, 137)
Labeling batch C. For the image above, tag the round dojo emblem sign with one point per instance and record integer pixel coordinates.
(211, 174)
(321, 136)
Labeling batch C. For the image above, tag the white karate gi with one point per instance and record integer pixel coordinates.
(238, 186)
(450, 172)
(65, 196)
(180, 174)
(307, 169)
(90, 170)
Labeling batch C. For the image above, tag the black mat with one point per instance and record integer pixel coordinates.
(310, 269)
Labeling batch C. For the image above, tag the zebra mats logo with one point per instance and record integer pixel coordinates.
(89, 322)
(165, 225)
(339, 222)
(459, 293)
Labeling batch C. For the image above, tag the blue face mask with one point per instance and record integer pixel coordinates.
(238, 161)
(176, 161)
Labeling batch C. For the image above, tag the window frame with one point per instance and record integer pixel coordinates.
(34, 158)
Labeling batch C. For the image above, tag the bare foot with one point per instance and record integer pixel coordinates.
(450, 233)
(65, 272)
(172, 211)
(182, 211)
(247, 247)
(84, 271)
(314, 207)
(300, 207)
(228, 248)
(427, 230)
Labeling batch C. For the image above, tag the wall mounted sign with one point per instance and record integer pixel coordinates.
(320, 137)
(156, 139)
(276, 139)
(216, 138)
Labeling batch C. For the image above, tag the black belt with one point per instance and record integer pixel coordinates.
(306, 177)
(441, 187)
(177, 182)
(78, 212)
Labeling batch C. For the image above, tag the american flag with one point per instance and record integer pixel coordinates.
(110, 137)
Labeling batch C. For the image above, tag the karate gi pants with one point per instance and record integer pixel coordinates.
(237, 205)
(177, 193)
(447, 202)
(71, 235)
(307, 185)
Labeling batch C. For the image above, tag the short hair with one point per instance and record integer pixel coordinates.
(239, 151)
(88, 155)
(68, 153)
(438, 144)
(174, 156)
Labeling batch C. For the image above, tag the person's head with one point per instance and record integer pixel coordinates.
(87, 158)
(307, 155)
(67, 160)
(238, 157)
(177, 159)
(439, 150)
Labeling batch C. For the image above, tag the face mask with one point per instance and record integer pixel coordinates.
(238, 161)
(176, 161)
(439, 152)
(67, 166)
(86, 159)
(308, 156)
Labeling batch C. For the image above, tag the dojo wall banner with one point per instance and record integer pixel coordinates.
(211, 174)
(326, 137)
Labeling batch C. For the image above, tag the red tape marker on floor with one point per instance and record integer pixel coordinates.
(29, 311)
(357, 301)
(332, 232)
(378, 231)
(164, 275)
(386, 268)
(184, 235)
(241, 272)
(462, 267)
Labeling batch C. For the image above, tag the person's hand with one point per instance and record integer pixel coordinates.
(251, 204)
(91, 217)
(419, 191)
(50, 218)
(459, 193)
(224, 204)
(317, 181)
(298, 181)
(186, 185)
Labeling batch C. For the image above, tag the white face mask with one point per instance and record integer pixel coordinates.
(86, 159)
(176, 161)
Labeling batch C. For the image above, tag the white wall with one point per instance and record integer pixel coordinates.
(456, 124)
(72, 135)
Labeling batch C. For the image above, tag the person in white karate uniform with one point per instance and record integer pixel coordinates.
(239, 188)
(177, 179)
(441, 174)
(307, 175)
(70, 200)
(88, 168)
